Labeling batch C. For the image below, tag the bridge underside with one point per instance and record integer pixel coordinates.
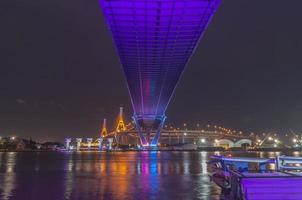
(155, 39)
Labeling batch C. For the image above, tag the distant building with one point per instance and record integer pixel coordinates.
(12, 144)
(51, 146)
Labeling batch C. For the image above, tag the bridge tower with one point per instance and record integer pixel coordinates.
(120, 124)
(104, 131)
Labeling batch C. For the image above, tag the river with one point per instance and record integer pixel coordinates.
(164, 175)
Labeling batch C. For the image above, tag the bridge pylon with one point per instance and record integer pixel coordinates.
(104, 131)
(120, 124)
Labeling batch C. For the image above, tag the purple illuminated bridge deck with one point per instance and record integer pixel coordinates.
(154, 40)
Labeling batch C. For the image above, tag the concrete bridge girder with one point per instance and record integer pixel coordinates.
(225, 143)
(242, 142)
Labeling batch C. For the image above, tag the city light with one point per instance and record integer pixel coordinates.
(183, 134)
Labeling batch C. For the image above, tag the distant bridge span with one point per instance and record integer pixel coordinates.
(215, 138)
(186, 133)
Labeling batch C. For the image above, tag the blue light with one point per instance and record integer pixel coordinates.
(155, 40)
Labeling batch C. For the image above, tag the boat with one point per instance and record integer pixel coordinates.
(289, 164)
(220, 169)
(256, 179)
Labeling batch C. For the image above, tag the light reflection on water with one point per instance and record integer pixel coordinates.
(115, 175)
(7, 185)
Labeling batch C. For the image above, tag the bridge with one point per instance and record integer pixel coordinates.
(126, 134)
(155, 40)
(209, 135)
(183, 136)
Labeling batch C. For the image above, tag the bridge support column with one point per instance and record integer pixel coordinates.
(145, 125)
(158, 131)
(89, 141)
(142, 138)
(67, 143)
(110, 140)
(79, 140)
(100, 140)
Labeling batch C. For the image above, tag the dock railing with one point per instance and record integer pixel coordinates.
(284, 163)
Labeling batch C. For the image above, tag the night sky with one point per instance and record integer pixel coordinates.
(60, 74)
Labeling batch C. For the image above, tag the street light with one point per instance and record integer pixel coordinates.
(202, 140)
(295, 140)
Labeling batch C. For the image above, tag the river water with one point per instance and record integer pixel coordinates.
(109, 176)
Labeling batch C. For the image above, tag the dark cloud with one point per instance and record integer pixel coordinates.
(21, 101)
